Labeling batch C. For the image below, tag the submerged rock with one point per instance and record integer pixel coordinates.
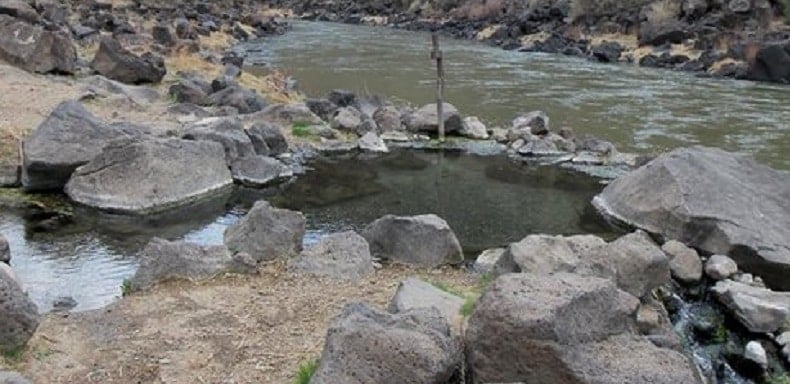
(151, 175)
(425, 240)
(19, 318)
(714, 201)
(758, 309)
(163, 260)
(344, 255)
(365, 345)
(36, 49)
(414, 293)
(69, 137)
(267, 233)
(115, 62)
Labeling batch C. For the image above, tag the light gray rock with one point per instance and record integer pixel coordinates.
(19, 318)
(289, 114)
(5, 250)
(783, 339)
(473, 128)
(10, 175)
(537, 123)
(414, 293)
(685, 264)
(491, 261)
(711, 200)
(225, 130)
(117, 63)
(524, 324)
(388, 118)
(347, 119)
(544, 254)
(163, 260)
(9, 377)
(755, 352)
(720, 267)
(259, 171)
(639, 264)
(267, 233)
(425, 240)
(150, 175)
(364, 345)
(344, 255)
(35, 49)
(426, 119)
(267, 139)
(539, 147)
(758, 309)
(243, 100)
(371, 142)
(69, 137)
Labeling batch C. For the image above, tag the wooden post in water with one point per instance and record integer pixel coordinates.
(436, 54)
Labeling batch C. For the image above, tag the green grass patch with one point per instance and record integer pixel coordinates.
(469, 305)
(447, 288)
(787, 11)
(720, 334)
(126, 287)
(14, 355)
(306, 371)
(470, 297)
(301, 129)
(782, 378)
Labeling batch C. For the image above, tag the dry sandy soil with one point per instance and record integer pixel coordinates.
(233, 329)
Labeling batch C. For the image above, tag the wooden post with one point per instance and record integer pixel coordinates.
(436, 54)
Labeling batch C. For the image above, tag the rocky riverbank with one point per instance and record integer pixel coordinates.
(736, 39)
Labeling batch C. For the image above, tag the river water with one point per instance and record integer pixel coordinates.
(639, 109)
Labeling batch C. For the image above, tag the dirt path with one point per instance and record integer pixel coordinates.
(234, 329)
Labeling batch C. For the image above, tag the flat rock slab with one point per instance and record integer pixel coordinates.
(259, 171)
(150, 175)
(711, 200)
(414, 293)
(169, 260)
(759, 309)
(344, 255)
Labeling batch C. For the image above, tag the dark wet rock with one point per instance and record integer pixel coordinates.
(344, 255)
(5, 250)
(323, 108)
(185, 91)
(20, 10)
(267, 139)
(150, 175)
(244, 100)
(685, 264)
(227, 131)
(425, 119)
(69, 137)
(10, 377)
(267, 233)
(259, 171)
(759, 309)
(772, 63)
(63, 304)
(162, 34)
(184, 29)
(36, 49)
(425, 240)
(607, 52)
(531, 328)
(414, 293)
(707, 198)
(20, 317)
(163, 260)
(343, 98)
(365, 345)
(115, 62)
(659, 34)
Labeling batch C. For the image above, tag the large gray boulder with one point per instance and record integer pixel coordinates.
(425, 240)
(414, 293)
(365, 345)
(714, 201)
(564, 328)
(267, 233)
(426, 119)
(259, 171)
(524, 323)
(758, 309)
(69, 137)
(150, 175)
(36, 49)
(343, 255)
(19, 318)
(227, 131)
(544, 254)
(117, 63)
(163, 260)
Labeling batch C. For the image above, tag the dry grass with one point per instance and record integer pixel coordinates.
(487, 32)
(627, 41)
(750, 52)
(687, 50)
(241, 329)
(273, 86)
(717, 66)
(217, 41)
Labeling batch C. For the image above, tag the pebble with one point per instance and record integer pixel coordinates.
(63, 303)
(720, 267)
